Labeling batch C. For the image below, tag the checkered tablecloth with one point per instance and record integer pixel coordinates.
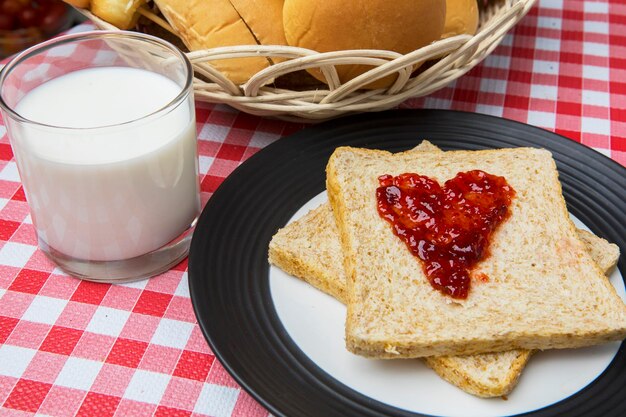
(70, 347)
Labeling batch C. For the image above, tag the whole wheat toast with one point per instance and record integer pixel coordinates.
(544, 289)
(309, 248)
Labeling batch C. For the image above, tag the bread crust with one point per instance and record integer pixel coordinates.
(211, 24)
(477, 380)
(120, 13)
(264, 19)
(461, 18)
(289, 247)
(323, 26)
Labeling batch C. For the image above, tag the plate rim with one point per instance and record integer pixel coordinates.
(298, 143)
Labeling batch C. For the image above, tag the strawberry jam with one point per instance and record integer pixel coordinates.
(447, 227)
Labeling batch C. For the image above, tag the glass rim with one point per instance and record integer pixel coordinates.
(90, 35)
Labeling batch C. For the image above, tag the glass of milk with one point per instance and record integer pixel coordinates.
(102, 126)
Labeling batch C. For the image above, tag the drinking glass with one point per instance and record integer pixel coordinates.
(115, 199)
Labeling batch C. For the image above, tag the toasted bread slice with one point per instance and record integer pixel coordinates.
(544, 289)
(604, 253)
(309, 248)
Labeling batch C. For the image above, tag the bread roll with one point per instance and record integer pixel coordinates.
(461, 18)
(120, 13)
(210, 24)
(264, 18)
(331, 25)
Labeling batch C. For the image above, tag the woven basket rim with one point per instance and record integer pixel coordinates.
(259, 95)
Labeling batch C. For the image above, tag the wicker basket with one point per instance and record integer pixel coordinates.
(263, 94)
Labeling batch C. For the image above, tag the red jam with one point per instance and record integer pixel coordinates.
(447, 227)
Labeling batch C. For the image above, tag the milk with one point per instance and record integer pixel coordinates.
(118, 191)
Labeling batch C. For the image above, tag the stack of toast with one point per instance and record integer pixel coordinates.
(546, 283)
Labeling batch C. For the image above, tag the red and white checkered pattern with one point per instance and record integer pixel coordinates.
(69, 347)
(563, 68)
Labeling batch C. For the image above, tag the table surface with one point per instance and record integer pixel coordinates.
(71, 347)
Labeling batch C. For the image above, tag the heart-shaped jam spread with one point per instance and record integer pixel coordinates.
(447, 227)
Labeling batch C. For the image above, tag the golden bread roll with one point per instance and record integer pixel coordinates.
(332, 25)
(210, 24)
(461, 18)
(264, 18)
(120, 13)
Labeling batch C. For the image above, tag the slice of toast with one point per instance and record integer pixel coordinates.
(309, 248)
(544, 290)
(604, 253)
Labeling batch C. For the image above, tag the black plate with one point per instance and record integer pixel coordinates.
(228, 268)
